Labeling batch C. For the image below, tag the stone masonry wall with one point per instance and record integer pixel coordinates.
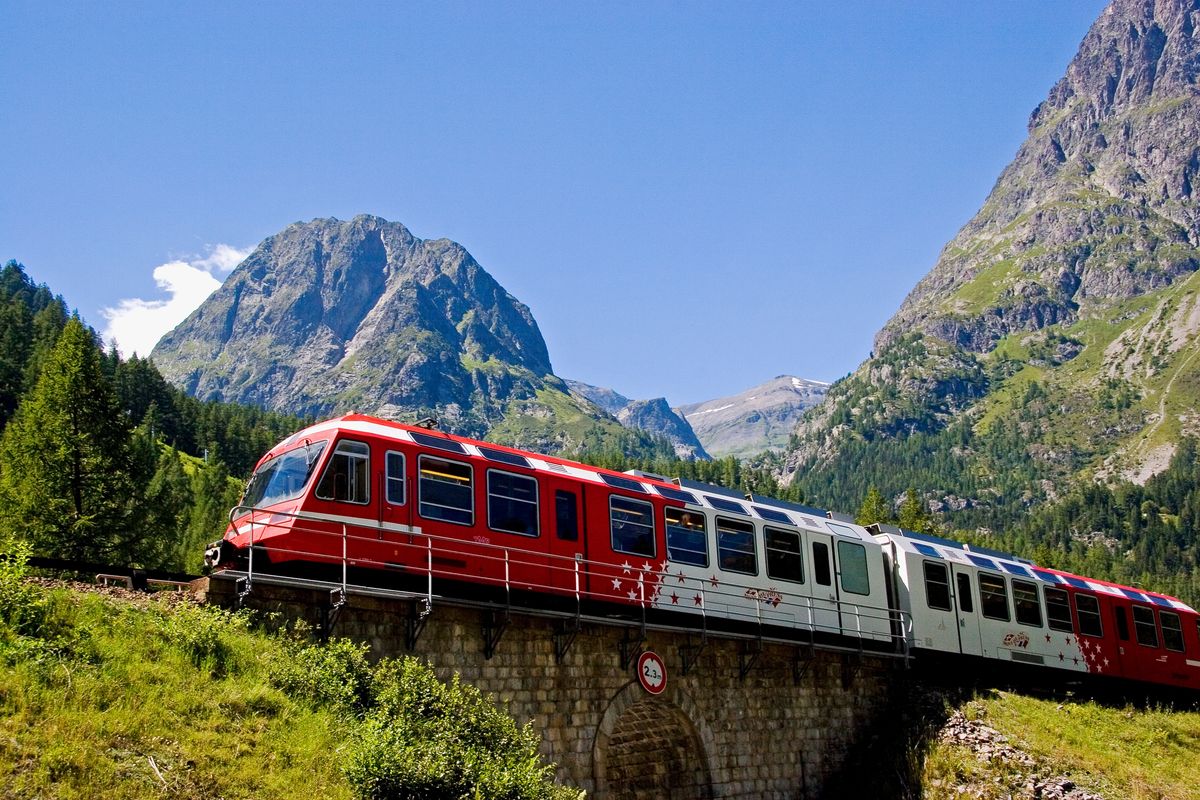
(710, 734)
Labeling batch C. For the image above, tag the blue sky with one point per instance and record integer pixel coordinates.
(691, 197)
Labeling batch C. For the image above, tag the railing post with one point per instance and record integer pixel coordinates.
(345, 534)
(578, 556)
(429, 569)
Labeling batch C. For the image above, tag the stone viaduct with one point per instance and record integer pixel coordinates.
(738, 717)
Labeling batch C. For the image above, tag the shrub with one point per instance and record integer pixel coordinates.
(429, 740)
(22, 606)
(336, 675)
(203, 634)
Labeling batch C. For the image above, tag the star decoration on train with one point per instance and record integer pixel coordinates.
(674, 599)
(699, 600)
(1061, 657)
(616, 583)
(632, 594)
(666, 565)
(682, 577)
(1047, 635)
(713, 580)
(647, 567)
(626, 567)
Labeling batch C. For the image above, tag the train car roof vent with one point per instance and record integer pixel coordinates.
(840, 516)
(654, 476)
(711, 488)
(762, 500)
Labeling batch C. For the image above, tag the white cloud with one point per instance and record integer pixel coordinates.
(136, 325)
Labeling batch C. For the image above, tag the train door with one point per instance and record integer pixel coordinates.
(1126, 652)
(562, 524)
(825, 607)
(399, 546)
(970, 639)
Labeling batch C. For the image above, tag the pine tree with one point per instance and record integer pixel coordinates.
(873, 509)
(64, 458)
(914, 516)
(213, 495)
(165, 513)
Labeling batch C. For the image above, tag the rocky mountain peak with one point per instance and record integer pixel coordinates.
(1096, 207)
(332, 315)
(1136, 52)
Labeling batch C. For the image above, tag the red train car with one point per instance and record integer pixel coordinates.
(361, 493)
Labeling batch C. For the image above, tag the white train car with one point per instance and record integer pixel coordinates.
(978, 602)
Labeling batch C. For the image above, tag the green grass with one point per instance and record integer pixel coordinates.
(984, 290)
(84, 716)
(1139, 754)
(127, 696)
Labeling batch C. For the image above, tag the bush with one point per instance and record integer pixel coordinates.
(429, 740)
(203, 633)
(22, 606)
(336, 675)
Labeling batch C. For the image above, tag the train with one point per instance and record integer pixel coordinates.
(417, 509)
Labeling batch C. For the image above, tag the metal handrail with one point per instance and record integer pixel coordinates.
(802, 608)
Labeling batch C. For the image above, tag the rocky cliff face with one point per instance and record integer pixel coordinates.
(1097, 205)
(607, 399)
(654, 417)
(758, 419)
(329, 316)
(1057, 333)
(658, 418)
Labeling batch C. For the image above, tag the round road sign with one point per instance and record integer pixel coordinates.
(651, 672)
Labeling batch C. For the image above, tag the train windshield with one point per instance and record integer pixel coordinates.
(283, 477)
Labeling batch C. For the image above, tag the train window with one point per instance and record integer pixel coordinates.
(632, 523)
(445, 491)
(283, 477)
(735, 546)
(821, 571)
(687, 537)
(1026, 603)
(853, 558)
(785, 555)
(1144, 627)
(1058, 610)
(937, 586)
(1172, 631)
(512, 503)
(566, 515)
(966, 601)
(1122, 624)
(345, 479)
(993, 596)
(1089, 615)
(394, 479)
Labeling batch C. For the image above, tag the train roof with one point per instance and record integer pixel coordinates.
(680, 490)
(997, 561)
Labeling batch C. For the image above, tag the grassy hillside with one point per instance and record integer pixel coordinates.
(127, 697)
(1008, 745)
(120, 695)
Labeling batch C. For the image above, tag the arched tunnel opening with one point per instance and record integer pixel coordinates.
(654, 751)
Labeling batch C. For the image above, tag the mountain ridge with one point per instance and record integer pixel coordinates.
(330, 316)
(1054, 338)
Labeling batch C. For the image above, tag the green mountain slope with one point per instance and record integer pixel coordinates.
(1055, 338)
